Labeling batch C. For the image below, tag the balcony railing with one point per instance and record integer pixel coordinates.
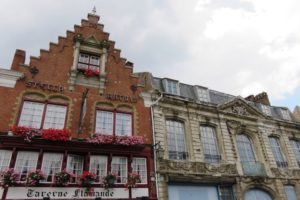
(254, 169)
(178, 155)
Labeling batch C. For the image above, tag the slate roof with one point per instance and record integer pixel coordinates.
(216, 97)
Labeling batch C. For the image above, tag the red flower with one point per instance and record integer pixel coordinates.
(26, 132)
(56, 134)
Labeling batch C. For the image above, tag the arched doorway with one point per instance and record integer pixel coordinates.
(257, 194)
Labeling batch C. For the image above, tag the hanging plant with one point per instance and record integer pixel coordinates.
(35, 177)
(132, 180)
(63, 178)
(109, 180)
(87, 179)
(9, 178)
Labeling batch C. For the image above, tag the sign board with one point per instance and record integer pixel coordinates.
(72, 193)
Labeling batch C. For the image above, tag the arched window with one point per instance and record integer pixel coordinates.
(245, 148)
(176, 140)
(290, 192)
(277, 152)
(257, 194)
(210, 144)
(296, 149)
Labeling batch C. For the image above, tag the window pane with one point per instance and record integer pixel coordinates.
(266, 109)
(55, 116)
(119, 167)
(104, 122)
(226, 193)
(171, 87)
(139, 167)
(245, 149)
(5, 157)
(83, 58)
(276, 149)
(256, 194)
(210, 145)
(51, 164)
(203, 94)
(94, 60)
(285, 114)
(75, 166)
(31, 114)
(98, 165)
(296, 149)
(26, 163)
(176, 140)
(178, 192)
(290, 192)
(123, 124)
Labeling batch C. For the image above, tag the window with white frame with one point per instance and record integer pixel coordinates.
(296, 149)
(245, 148)
(75, 166)
(98, 165)
(266, 109)
(139, 166)
(25, 163)
(277, 152)
(51, 165)
(5, 156)
(285, 114)
(290, 192)
(34, 113)
(203, 94)
(119, 167)
(176, 140)
(210, 144)
(87, 61)
(171, 87)
(113, 123)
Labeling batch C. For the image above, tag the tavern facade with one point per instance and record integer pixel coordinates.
(81, 101)
(211, 145)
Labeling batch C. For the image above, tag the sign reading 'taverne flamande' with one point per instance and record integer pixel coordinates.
(71, 193)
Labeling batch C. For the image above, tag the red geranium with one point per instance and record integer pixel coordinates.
(56, 134)
(26, 132)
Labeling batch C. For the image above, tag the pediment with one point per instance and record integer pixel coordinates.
(239, 106)
(92, 40)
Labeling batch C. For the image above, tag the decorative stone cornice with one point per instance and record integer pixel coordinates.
(8, 78)
(286, 173)
(169, 166)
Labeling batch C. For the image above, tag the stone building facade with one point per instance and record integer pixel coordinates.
(83, 87)
(211, 145)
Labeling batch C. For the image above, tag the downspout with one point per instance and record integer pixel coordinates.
(154, 142)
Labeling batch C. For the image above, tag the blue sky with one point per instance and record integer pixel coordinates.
(240, 47)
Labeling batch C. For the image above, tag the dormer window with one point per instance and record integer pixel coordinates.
(285, 114)
(89, 64)
(171, 87)
(202, 94)
(266, 109)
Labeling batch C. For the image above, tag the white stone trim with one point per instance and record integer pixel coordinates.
(8, 78)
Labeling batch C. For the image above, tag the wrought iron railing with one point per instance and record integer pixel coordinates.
(254, 168)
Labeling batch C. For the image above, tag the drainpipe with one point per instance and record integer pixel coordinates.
(154, 142)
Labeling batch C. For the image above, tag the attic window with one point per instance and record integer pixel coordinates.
(285, 114)
(266, 109)
(202, 94)
(89, 64)
(171, 87)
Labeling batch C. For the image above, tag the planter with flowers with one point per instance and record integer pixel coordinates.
(119, 140)
(63, 178)
(56, 134)
(132, 180)
(89, 72)
(109, 180)
(9, 178)
(87, 179)
(35, 177)
(26, 132)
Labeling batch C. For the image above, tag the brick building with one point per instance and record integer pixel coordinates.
(80, 85)
(215, 146)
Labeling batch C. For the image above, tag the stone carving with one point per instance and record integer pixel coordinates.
(197, 167)
(239, 109)
(286, 173)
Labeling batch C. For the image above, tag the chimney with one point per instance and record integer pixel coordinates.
(296, 113)
(260, 98)
(19, 59)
